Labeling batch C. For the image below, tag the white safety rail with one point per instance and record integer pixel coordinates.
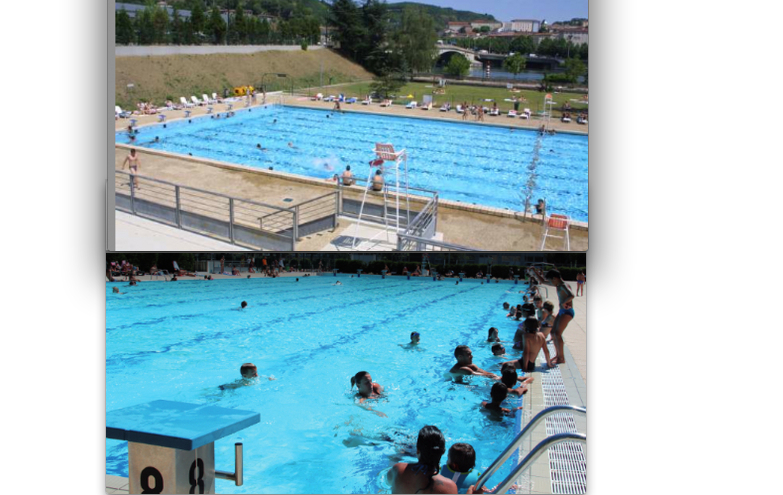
(567, 463)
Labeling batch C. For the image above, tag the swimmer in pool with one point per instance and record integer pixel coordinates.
(493, 335)
(258, 146)
(422, 477)
(116, 290)
(291, 145)
(498, 393)
(511, 379)
(249, 374)
(367, 390)
(415, 337)
(241, 306)
(498, 350)
(465, 366)
(338, 282)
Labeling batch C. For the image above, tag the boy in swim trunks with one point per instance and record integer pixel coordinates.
(534, 341)
(133, 161)
(564, 316)
(498, 393)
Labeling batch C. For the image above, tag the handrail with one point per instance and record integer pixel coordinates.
(431, 242)
(205, 192)
(522, 434)
(535, 454)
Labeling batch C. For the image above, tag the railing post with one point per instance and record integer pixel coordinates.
(336, 206)
(296, 222)
(132, 193)
(295, 229)
(231, 219)
(179, 212)
(435, 213)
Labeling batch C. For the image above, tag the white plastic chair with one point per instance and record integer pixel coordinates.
(185, 102)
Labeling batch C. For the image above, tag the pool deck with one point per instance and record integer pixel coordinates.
(134, 233)
(474, 226)
(537, 480)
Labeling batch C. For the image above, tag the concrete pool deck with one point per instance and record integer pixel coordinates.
(474, 226)
(537, 479)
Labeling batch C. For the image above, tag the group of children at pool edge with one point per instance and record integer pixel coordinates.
(457, 475)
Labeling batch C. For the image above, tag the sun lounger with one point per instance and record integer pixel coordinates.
(207, 99)
(368, 101)
(386, 103)
(525, 114)
(412, 104)
(460, 109)
(428, 106)
(581, 120)
(196, 101)
(494, 112)
(330, 98)
(318, 97)
(445, 107)
(565, 119)
(512, 113)
(216, 98)
(185, 102)
(119, 112)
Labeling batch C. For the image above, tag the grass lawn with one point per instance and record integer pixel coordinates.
(456, 94)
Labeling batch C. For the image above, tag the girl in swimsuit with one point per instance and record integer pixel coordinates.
(564, 316)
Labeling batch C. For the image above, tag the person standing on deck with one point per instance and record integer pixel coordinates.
(566, 314)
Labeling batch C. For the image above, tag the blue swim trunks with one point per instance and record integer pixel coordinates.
(569, 311)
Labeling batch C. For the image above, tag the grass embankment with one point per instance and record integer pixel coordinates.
(457, 94)
(159, 78)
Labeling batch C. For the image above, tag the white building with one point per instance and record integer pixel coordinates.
(525, 25)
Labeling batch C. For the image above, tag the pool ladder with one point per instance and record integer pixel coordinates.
(537, 450)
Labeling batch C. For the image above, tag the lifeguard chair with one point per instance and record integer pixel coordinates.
(388, 161)
(556, 224)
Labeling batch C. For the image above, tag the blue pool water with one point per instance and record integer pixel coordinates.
(181, 341)
(485, 165)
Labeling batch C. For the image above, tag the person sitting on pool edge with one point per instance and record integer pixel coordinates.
(377, 181)
(459, 466)
(534, 341)
(498, 393)
(465, 365)
(347, 176)
(423, 476)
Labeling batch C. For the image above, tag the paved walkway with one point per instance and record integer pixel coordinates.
(133, 233)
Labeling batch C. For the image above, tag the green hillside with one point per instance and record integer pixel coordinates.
(442, 15)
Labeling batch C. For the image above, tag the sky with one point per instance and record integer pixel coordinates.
(505, 10)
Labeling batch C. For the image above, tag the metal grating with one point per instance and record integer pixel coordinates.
(567, 464)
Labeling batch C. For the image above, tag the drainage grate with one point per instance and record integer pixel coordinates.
(567, 464)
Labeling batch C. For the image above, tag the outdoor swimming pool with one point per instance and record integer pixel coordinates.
(181, 341)
(471, 163)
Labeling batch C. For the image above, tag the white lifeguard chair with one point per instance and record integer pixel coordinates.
(556, 223)
(389, 162)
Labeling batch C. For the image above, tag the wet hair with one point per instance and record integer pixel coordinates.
(348, 167)
(462, 456)
(553, 274)
(537, 298)
(357, 378)
(509, 376)
(461, 350)
(416, 334)
(499, 392)
(247, 367)
(528, 310)
(378, 172)
(244, 304)
(248, 276)
(505, 305)
(297, 279)
(496, 347)
(531, 325)
(431, 445)
(489, 334)
(549, 306)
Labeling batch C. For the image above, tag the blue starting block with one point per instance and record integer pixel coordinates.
(462, 274)
(383, 273)
(161, 118)
(359, 273)
(335, 270)
(171, 445)
(516, 279)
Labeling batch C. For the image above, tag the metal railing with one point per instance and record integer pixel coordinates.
(223, 217)
(406, 242)
(549, 411)
(377, 213)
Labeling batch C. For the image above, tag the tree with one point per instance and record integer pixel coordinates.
(416, 38)
(574, 68)
(374, 49)
(145, 31)
(123, 28)
(216, 26)
(196, 24)
(344, 15)
(238, 34)
(514, 64)
(458, 66)
(484, 29)
(177, 28)
(160, 23)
